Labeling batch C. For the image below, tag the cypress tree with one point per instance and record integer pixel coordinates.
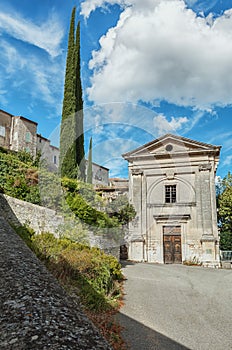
(90, 165)
(79, 108)
(71, 134)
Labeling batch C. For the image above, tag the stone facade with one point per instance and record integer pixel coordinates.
(100, 174)
(24, 135)
(172, 187)
(20, 134)
(116, 187)
(49, 153)
(17, 133)
(5, 129)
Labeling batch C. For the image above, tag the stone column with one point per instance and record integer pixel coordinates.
(205, 195)
(209, 241)
(136, 240)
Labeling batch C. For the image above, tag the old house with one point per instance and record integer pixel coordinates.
(49, 153)
(172, 187)
(17, 133)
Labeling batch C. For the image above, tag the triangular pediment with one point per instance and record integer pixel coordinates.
(170, 145)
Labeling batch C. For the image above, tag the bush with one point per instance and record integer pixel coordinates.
(89, 214)
(18, 179)
(96, 273)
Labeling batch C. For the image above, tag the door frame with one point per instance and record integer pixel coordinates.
(173, 231)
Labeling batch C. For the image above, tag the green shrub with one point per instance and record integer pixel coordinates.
(96, 273)
(89, 214)
(26, 233)
(18, 179)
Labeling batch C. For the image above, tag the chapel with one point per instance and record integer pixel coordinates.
(172, 187)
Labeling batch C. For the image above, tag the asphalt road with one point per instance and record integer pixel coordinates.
(170, 307)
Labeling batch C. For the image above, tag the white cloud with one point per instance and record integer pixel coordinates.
(164, 126)
(46, 35)
(89, 6)
(227, 161)
(164, 51)
(118, 128)
(32, 75)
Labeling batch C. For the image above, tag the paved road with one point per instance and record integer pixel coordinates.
(172, 307)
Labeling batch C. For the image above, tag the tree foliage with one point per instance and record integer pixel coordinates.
(79, 108)
(72, 158)
(225, 212)
(90, 165)
(121, 209)
(19, 176)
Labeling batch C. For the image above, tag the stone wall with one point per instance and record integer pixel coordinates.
(39, 218)
(42, 219)
(109, 245)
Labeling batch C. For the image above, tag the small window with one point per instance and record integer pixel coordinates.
(169, 148)
(2, 131)
(28, 137)
(170, 194)
(54, 159)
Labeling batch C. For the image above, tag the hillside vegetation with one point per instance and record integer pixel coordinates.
(86, 273)
(22, 177)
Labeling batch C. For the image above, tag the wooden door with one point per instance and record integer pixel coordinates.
(172, 247)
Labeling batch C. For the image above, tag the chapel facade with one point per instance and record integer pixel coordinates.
(172, 187)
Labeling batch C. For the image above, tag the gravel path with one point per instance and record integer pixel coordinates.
(171, 307)
(35, 311)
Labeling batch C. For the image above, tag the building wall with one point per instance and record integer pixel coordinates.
(24, 135)
(100, 174)
(20, 134)
(49, 153)
(194, 212)
(5, 129)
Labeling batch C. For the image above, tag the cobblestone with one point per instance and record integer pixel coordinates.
(35, 311)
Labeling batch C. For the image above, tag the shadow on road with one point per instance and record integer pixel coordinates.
(125, 263)
(138, 336)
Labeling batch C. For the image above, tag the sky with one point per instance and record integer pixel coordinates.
(148, 67)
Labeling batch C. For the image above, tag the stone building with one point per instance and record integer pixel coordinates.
(116, 187)
(100, 174)
(17, 133)
(49, 153)
(172, 187)
(20, 134)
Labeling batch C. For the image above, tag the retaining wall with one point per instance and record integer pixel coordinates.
(42, 219)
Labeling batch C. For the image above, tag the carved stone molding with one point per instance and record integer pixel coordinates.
(170, 174)
(205, 167)
(136, 172)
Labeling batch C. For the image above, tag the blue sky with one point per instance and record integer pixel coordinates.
(148, 67)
